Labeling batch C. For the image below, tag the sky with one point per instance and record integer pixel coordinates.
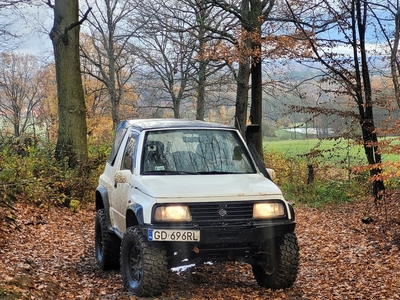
(32, 25)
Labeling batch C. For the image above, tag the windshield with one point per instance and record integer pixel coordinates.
(195, 151)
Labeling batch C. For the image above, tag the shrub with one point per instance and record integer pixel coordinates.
(331, 184)
(34, 174)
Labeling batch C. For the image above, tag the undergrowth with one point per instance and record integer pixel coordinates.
(330, 184)
(29, 171)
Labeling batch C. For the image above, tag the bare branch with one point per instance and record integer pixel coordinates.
(73, 25)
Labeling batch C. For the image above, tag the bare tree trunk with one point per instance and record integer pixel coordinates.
(242, 90)
(392, 38)
(256, 103)
(115, 99)
(394, 64)
(201, 91)
(256, 75)
(201, 85)
(366, 111)
(72, 128)
(254, 14)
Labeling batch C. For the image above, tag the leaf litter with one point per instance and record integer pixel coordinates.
(49, 254)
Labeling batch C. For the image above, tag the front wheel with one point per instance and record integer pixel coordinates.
(143, 264)
(280, 263)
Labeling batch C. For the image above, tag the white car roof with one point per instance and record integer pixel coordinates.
(145, 124)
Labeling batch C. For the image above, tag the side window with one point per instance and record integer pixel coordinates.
(128, 160)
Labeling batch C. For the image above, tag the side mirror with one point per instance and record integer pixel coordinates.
(122, 176)
(271, 173)
(250, 130)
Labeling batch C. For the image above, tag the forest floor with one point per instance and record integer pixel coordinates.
(49, 254)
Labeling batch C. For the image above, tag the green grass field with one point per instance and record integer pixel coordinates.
(333, 151)
(333, 182)
(342, 151)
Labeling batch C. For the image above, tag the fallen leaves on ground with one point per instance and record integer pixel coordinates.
(49, 254)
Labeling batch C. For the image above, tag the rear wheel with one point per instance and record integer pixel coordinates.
(279, 266)
(143, 264)
(107, 244)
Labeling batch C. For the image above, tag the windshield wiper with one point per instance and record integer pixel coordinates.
(218, 172)
(170, 172)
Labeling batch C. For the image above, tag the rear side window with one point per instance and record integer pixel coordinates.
(128, 159)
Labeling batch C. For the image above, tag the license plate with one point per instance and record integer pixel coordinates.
(173, 235)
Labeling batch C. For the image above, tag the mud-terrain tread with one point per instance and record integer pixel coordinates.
(286, 268)
(154, 264)
(110, 245)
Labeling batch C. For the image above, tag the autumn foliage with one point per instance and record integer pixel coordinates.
(349, 245)
(48, 254)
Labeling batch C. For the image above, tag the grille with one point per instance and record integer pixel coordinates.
(231, 212)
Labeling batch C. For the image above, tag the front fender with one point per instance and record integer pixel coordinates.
(102, 201)
(134, 215)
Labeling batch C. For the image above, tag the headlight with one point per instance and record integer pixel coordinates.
(172, 213)
(268, 210)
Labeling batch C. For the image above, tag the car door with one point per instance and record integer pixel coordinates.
(121, 191)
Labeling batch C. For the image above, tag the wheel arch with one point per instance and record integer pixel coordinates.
(134, 215)
(101, 199)
(292, 213)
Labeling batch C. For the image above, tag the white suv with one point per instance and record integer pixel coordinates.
(177, 192)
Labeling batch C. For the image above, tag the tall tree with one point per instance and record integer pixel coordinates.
(208, 27)
(20, 91)
(350, 74)
(183, 38)
(202, 14)
(168, 53)
(46, 116)
(105, 49)
(243, 74)
(72, 128)
(252, 15)
(387, 16)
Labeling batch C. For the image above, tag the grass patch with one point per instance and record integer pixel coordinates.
(323, 150)
(322, 193)
(282, 134)
(336, 151)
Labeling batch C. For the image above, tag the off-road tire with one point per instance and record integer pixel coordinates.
(279, 267)
(143, 264)
(107, 244)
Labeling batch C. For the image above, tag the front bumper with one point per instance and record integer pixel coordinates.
(243, 234)
(252, 235)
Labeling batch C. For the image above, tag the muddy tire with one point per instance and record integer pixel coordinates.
(143, 264)
(280, 264)
(107, 244)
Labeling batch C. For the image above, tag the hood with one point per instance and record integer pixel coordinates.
(237, 186)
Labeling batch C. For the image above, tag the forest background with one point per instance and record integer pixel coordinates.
(322, 78)
(329, 72)
(329, 80)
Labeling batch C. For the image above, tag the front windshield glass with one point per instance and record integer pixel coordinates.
(195, 151)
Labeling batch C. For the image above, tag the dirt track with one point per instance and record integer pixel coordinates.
(49, 255)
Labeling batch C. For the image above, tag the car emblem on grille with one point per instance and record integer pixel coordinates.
(222, 212)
